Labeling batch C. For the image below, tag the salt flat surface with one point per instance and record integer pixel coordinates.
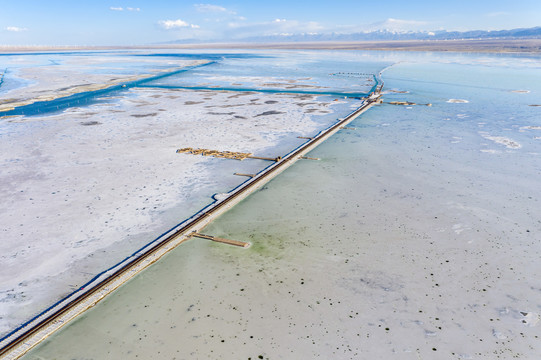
(84, 188)
(416, 236)
(367, 253)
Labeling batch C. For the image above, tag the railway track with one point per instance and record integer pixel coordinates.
(20, 341)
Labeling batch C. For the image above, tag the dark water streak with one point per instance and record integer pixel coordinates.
(259, 90)
(2, 77)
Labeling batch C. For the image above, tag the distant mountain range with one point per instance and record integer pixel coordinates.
(406, 35)
(387, 35)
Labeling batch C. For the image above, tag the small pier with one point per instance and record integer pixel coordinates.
(265, 158)
(248, 175)
(221, 240)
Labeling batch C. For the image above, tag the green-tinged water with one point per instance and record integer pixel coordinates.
(416, 236)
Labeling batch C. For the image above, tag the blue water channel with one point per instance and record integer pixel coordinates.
(317, 77)
(84, 98)
(2, 77)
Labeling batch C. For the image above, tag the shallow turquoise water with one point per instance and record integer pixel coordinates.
(415, 236)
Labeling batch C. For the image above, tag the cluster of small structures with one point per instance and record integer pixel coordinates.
(224, 154)
(407, 103)
(352, 74)
(219, 154)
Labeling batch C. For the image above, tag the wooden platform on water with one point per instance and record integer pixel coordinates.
(221, 240)
(248, 175)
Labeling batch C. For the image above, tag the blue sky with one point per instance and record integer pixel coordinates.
(120, 22)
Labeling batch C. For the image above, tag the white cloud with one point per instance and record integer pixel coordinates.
(212, 8)
(118, 8)
(176, 24)
(397, 25)
(15, 29)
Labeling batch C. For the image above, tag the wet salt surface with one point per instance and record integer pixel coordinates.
(400, 243)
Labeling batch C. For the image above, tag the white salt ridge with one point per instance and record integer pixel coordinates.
(509, 143)
(457, 101)
(220, 196)
(499, 335)
(530, 127)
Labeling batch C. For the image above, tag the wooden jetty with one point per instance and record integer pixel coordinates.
(221, 240)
